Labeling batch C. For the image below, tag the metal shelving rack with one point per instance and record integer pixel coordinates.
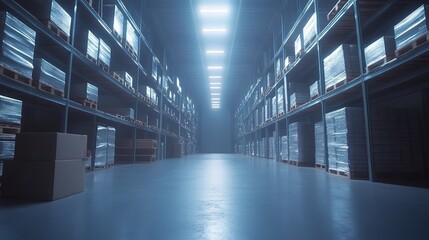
(43, 111)
(353, 24)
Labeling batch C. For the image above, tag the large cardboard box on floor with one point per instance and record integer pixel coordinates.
(42, 180)
(50, 146)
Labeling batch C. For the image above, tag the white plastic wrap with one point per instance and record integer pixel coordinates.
(131, 37)
(154, 67)
(280, 100)
(17, 45)
(92, 45)
(284, 148)
(60, 17)
(278, 68)
(10, 110)
(382, 48)
(319, 143)
(341, 64)
(346, 140)
(48, 74)
(298, 46)
(104, 53)
(288, 61)
(309, 30)
(314, 89)
(114, 17)
(293, 99)
(101, 147)
(274, 106)
(270, 81)
(7, 147)
(271, 147)
(301, 142)
(85, 91)
(411, 27)
(126, 76)
(111, 145)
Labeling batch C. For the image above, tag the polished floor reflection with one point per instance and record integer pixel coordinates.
(216, 196)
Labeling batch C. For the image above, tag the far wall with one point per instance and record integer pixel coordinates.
(216, 131)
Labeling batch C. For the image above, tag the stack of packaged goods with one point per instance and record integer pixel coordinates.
(105, 147)
(47, 74)
(301, 143)
(85, 91)
(46, 166)
(288, 62)
(380, 51)
(104, 54)
(270, 81)
(270, 147)
(284, 148)
(131, 39)
(341, 65)
(280, 101)
(319, 137)
(114, 17)
(17, 45)
(411, 27)
(274, 106)
(314, 90)
(10, 119)
(92, 47)
(278, 68)
(300, 96)
(346, 141)
(298, 46)
(53, 12)
(309, 30)
(262, 145)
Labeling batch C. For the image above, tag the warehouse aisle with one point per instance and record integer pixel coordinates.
(222, 197)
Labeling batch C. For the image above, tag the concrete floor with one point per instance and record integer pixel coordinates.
(221, 197)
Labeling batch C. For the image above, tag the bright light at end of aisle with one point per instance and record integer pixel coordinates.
(215, 52)
(217, 10)
(215, 94)
(214, 30)
(214, 87)
(215, 77)
(215, 83)
(215, 67)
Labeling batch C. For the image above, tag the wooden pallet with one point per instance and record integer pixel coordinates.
(118, 78)
(120, 116)
(139, 122)
(127, 85)
(87, 103)
(321, 166)
(119, 38)
(412, 44)
(299, 54)
(334, 11)
(50, 89)
(91, 59)
(351, 175)
(295, 106)
(103, 66)
(301, 164)
(380, 62)
(281, 114)
(314, 97)
(337, 85)
(60, 33)
(10, 129)
(16, 76)
(130, 50)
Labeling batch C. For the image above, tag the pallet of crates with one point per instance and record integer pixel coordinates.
(319, 148)
(301, 144)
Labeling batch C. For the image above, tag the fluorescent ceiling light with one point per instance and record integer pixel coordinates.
(214, 87)
(215, 94)
(215, 99)
(214, 10)
(215, 52)
(214, 29)
(216, 107)
(215, 77)
(215, 83)
(215, 67)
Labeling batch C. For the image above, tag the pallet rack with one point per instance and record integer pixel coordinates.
(399, 82)
(43, 111)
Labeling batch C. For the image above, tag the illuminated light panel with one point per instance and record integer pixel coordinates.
(215, 87)
(215, 99)
(214, 30)
(214, 10)
(215, 52)
(216, 107)
(215, 77)
(215, 67)
(215, 94)
(215, 83)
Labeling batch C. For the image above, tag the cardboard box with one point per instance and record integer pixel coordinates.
(50, 146)
(42, 180)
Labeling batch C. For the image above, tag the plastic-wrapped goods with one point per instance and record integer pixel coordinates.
(17, 45)
(293, 99)
(101, 147)
(383, 48)
(280, 101)
(262, 145)
(131, 36)
(274, 106)
(267, 109)
(154, 67)
(288, 61)
(111, 139)
(60, 17)
(127, 77)
(104, 53)
(346, 140)
(314, 89)
(7, 146)
(85, 91)
(270, 81)
(114, 17)
(341, 64)
(10, 110)
(301, 94)
(319, 143)
(46, 73)
(92, 46)
(411, 27)
(284, 148)
(126, 112)
(278, 68)
(309, 30)
(271, 147)
(301, 143)
(298, 46)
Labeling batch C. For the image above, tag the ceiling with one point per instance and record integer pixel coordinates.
(177, 25)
